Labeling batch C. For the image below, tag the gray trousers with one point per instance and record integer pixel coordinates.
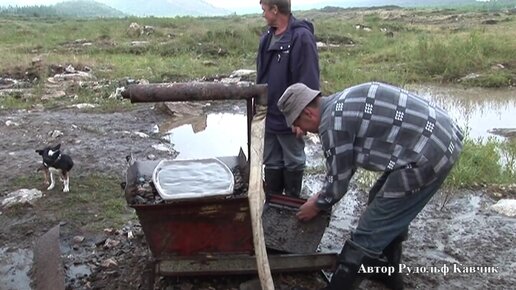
(386, 218)
(284, 151)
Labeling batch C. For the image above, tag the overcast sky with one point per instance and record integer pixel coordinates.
(254, 3)
(228, 4)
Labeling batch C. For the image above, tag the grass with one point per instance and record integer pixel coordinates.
(422, 50)
(186, 48)
(94, 203)
(484, 162)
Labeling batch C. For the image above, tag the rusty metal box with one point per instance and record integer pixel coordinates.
(215, 225)
(206, 226)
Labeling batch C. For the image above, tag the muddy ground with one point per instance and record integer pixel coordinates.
(466, 238)
(98, 144)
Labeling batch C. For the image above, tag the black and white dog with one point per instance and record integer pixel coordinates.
(55, 161)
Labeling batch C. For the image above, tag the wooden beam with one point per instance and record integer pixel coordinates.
(257, 197)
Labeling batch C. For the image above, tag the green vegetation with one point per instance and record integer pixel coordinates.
(485, 162)
(403, 46)
(482, 163)
(96, 202)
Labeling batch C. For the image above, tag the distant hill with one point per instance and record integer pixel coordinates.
(118, 8)
(86, 8)
(165, 8)
(73, 8)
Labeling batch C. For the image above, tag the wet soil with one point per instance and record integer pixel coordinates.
(464, 244)
(456, 242)
(98, 144)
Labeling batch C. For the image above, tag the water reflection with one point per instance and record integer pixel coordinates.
(477, 110)
(214, 135)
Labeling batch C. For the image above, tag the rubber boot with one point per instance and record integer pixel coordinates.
(293, 181)
(273, 183)
(393, 255)
(346, 275)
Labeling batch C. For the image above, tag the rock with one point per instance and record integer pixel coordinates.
(471, 76)
(139, 43)
(134, 30)
(163, 148)
(110, 243)
(9, 123)
(78, 239)
(141, 135)
(109, 263)
(497, 194)
(505, 207)
(243, 73)
(362, 27)
(83, 106)
(21, 196)
(70, 69)
(78, 76)
(326, 45)
(55, 134)
(117, 94)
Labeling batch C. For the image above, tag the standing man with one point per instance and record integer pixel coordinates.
(382, 128)
(287, 54)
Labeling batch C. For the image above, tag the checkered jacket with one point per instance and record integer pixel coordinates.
(379, 127)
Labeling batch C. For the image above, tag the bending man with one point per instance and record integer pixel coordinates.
(381, 128)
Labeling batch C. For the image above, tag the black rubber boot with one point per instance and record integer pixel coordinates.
(273, 183)
(393, 255)
(346, 275)
(293, 181)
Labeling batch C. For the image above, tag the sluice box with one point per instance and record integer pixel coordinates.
(215, 227)
(196, 214)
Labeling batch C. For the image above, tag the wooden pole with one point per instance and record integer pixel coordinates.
(257, 197)
(195, 91)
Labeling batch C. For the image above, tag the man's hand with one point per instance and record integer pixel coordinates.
(309, 209)
(299, 133)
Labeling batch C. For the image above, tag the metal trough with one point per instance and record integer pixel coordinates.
(193, 227)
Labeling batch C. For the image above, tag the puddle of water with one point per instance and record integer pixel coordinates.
(476, 110)
(223, 135)
(14, 269)
(313, 151)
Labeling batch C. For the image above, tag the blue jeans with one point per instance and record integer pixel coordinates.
(284, 151)
(386, 218)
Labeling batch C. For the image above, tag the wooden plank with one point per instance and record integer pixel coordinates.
(243, 264)
(257, 197)
(48, 268)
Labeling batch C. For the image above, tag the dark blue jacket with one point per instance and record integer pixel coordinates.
(292, 59)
